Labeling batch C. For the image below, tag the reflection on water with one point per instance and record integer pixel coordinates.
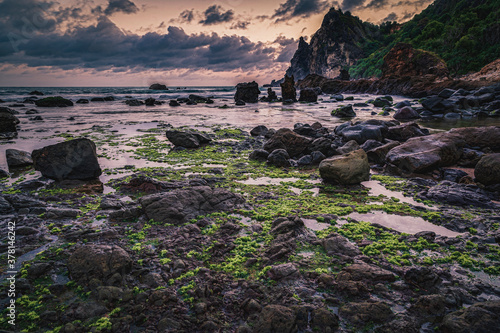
(377, 189)
(405, 224)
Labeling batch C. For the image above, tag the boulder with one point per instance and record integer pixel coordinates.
(405, 131)
(18, 158)
(247, 92)
(259, 155)
(344, 112)
(287, 139)
(283, 272)
(349, 169)
(324, 320)
(323, 145)
(363, 132)
(308, 95)
(479, 318)
(8, 122)
(437, 104)
(406, 113)
(271, 95)
(426, 153)
(57, 101)
(158, 86)
(36, 93)
(379, 154)
(198, 98)
(150, 102)
(187, 139)
(279, 158)
(74, 159)
(336, 244)
(82, 101)
(182, 205)
(288, 91)
(453, 175)
(487, 170)
(380, 102)
(422, 277)
(350, 146)
(98, 261)
(259, 130)
(132, 102)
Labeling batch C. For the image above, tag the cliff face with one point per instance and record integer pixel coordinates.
(336, 45)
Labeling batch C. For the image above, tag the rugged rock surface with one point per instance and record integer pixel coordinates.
(18, 158)
(247, 92)
(335, 46)
(288, 91)
(344, 112)
(8, 123)
(406, 113)
(98, 261)
(349, 169)
(180, 206)
(458, 194)
(187, 139)
(480, 318)
(74, 159)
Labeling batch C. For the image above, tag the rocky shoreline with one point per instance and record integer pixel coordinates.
(252, 232)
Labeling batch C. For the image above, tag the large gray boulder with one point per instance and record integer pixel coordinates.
(74, 159)
(349, 169)
(182, 205)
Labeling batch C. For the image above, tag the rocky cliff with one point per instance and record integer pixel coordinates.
(335, 46)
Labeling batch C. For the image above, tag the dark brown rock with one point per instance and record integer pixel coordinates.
(287, 139)
(288, 91)
(487, 170)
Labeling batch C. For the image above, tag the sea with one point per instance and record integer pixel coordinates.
(120, 118)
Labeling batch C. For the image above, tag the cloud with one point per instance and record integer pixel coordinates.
(187, 16)
(377, 4)
(349, 5)
(241, 25)
(121, 6)
(288, 48)
(215, 14)
(391, 17)
(299, 9)
(103, 46)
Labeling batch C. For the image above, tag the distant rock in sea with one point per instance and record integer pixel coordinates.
(158, 86)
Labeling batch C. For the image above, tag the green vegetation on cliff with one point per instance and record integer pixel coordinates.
(464, 33)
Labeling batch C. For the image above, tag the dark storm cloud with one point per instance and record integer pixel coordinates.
(121, 6)
(299, 9)
(288, 48)
(391, 17)
(349, 5)
(215, 14)
(186, 16)
(377, 4)
(105, 46)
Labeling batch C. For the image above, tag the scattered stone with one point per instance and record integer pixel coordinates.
(247, 92)
(36, 92)
(406, 113)
(349, 169)
(188, 139)
(259, 155)
(405, 131)
(308, 95)
(344, 112)
(173, 102)
(53, 102)
(74, 159)
(479, 317)
(287, 139)
(259, 130)
(380, 102)
(150, 101)
(82, 101)
(180, 206)
(279, 158)
(18, 158)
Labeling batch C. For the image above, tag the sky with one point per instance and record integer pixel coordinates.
(178, 43)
